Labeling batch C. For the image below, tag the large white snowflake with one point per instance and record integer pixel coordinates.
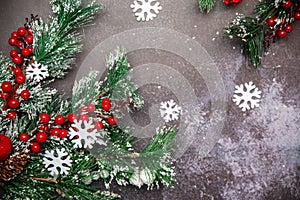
(57, 162)
(169, 110)
(145, 10)
(84, 134)
(37, 72)
(247, 96)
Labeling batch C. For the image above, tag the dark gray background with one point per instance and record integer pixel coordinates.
(269, 169)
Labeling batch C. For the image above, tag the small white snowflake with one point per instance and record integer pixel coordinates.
(84, 134)
(57, 162)
(145, 10)
(37, 72)
(247, 96)
(169, 110)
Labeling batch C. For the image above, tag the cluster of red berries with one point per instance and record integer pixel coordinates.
(60, 124)
(284, 27)
(232, 2)
(22, 39)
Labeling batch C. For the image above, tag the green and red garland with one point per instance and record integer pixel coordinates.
(46, 140)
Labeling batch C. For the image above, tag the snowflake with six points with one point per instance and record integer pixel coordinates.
(57, 161)
(144, 10)
(247, 96)
(37, 72)
(169, 110)
(84, 134)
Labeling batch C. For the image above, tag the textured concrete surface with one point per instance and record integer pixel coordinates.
(257, 155)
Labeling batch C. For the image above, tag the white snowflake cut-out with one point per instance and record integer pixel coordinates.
(84, 134)
(145, 10)
(247, 96)
(37, 72)
(170, 111)
(57, 162)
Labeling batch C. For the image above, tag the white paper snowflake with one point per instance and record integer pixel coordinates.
(169, 110)
(84, 134)
(37, 72)
(247, 96)
(57, 162)
(145, 10)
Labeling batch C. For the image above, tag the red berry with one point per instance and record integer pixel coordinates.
(10, 68)
(5, 95)
(63, 133)
(20, 79)
(14, 34)
(288, 28)
(17, 60)
(44, 117)
(41, 137)
(84, 117)
(25, 94)
(12, 41)
(271, 21)
(11, 115)
(72, 117)
(13, 103)
(281, 33)
(6, 86)
(26, 52)
(35, 147)
(17, 71)
(6, 147)
(22, 31)
(98, 125)
(30, 49)
(59, 119)
(106, 105)
(24, 137)
(297, 15)
(29, 39)
(287, 4)
(112, 120)
(13, 53)
(20, 44)
(29, 31)
(55, 132)
(90, 108)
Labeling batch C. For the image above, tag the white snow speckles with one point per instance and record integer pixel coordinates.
(170, 111)
(246, 94)
(57, 162)
(145, 10)
(37, 72)
(84, 134)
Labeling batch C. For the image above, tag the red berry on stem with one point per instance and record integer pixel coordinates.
(297, 15)
(41, 137)
(14, 34)
(72, 117)
(35, 147)
(5, 95)
(288, 28)
(30, 49)
(287, 4)
(6, 86)
(281, 33)
(29, 39)
(12, 41)
(21, 31)
(84, 117)
(106, 104)
(20, 44)
(271, 21)
(63, 133)
(55, 132)
(5, 147)
(13, 103)
(24, 137)
(44, 117)
(11, 115)
(25, 94)
(29, 31)
(20, 79)
(98, 125)
(90, 108)
(13, 53)
(10, 68)
(17, 71)
(17, 60)
(26, 52)
(59, 119)
(112, 120)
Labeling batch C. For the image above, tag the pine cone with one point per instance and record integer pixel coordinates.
(13, 166)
